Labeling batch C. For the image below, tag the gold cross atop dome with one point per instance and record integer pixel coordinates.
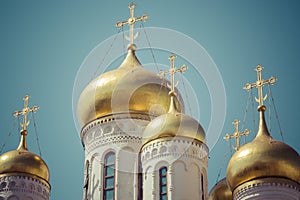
(25, 112)
(236, 134)
(131, 21)
(172, 72)
(259, 85)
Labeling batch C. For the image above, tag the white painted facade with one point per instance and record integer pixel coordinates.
(23, 187)
(186, 162)
(122, 136)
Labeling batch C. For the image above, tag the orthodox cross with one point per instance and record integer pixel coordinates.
(236, 134)
(25, 112)
(172, 72)
(259, 85)
(131, 21)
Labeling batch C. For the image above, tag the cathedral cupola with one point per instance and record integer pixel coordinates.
(129, 89)
(25, 174)
(264, 161)
(220, 191)
(174, 154)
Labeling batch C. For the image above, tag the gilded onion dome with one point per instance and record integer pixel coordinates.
(220, 191)
(173, 125)
(264, 157)
(21, 161)
(128, 89)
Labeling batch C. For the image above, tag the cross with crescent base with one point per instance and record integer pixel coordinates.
(236, 134)
(25, 112)
(172, 72)
(259, 85)
(131, 21)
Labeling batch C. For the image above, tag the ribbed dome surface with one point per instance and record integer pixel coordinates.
(23, 161)
(129, 88)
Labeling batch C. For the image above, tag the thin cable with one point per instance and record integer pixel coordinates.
(163, 82)
(124, 49)
(253, 112)
(246, 111)
(229, 149)
(37, 137)
(276, 114)
(185, 92)
(19, 130)
(8, 136)
(148, 41)
(221, 167)
(107, 52)
(269, 112)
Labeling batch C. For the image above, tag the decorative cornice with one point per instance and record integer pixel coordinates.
(111, 118)
(165, 148)
(16, 183)
(264, 183)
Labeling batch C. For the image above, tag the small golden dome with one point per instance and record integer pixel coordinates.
(129, 89)
(220, 191)
(264, 157)
(173, 124)
(23, 161)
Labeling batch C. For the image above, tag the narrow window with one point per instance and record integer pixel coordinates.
(202, 186)
(86, 181)
(109, 176)
(163, 183)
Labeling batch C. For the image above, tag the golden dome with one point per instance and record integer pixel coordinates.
(173, 124)
(220, 191)
(264, 157)
(23, 161)
(129, 89)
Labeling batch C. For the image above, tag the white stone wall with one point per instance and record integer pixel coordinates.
(186, 160)
(123, 137)
(268, 190)
(23, 187)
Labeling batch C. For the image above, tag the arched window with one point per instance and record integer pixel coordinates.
(202, 186)
(109, 176)
(163, 183)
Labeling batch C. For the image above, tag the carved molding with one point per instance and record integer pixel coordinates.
(20, 185)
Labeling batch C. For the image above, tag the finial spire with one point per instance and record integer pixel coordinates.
(131, 21)
(236, 134)
(259, 85)
(25, 112)
(172, 72)
(25, 123)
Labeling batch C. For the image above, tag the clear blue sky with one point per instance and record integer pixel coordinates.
(43, 44)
